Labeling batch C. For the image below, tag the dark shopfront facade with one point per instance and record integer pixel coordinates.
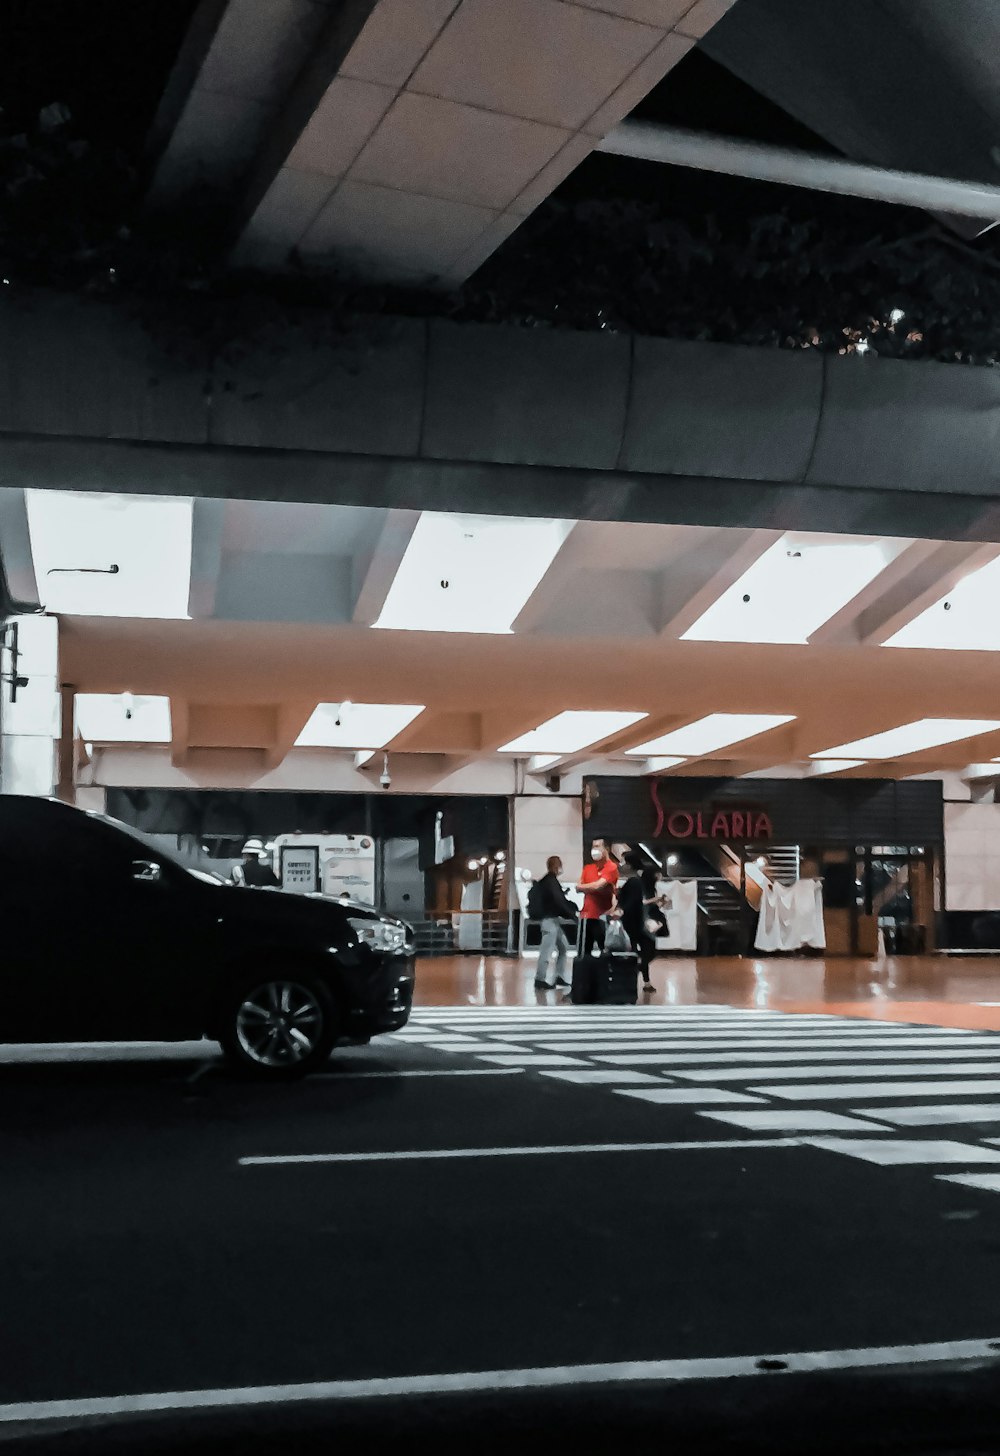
(877, 845)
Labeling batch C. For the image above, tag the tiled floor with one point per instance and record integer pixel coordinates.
(931, 990)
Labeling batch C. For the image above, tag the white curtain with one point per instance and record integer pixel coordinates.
(470, 926)
(791, 916)
(681, 912)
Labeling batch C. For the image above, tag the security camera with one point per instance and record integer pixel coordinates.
(386, 779)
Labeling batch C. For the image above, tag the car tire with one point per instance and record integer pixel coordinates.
(278, 1025)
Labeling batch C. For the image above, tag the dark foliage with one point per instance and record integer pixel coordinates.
(72, 220)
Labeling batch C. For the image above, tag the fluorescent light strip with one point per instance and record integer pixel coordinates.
(798, 584)
(570, 731)
(912, 738)
(124, 718)
(78, 537)
(463, 573)
(356, 725)
(835, 765)
(718, 730)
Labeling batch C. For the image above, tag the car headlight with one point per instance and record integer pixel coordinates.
(384, 935)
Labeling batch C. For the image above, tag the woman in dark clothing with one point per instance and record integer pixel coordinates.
(636, 904)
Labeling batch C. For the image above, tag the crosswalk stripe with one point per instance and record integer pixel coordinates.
(745, 1049)
(846, 1069)
(987, 1182)
(849, 1091)
(691, 1096)
(534, 1059)
(605, 1078)
(931, 1115)
(769, 1056)
(793, 1119)
(891, 1152)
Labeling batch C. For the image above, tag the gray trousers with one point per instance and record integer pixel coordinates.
(553, 942)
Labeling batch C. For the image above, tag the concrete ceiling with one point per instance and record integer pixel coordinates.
(405, 138)
(282, 598)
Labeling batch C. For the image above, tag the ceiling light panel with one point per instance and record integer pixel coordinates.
(912, 738)
(77, 537)
(835, 765)
(569, 732)
(966, 620)
(798, 584)
(470, 573)
(356, 725)
(718, 730)
(122, 718)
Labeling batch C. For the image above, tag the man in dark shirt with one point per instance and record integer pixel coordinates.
(555, 909)
(253, 871)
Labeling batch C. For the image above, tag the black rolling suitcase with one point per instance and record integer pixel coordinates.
(586, 971)
(608, 979)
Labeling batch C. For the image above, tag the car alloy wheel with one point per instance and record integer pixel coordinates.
(280, 1024)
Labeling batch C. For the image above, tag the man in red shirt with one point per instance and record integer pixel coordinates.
(597, 885)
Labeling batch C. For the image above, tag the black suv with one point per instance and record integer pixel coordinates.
(107, 937)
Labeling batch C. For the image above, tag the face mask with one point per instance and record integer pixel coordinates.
(597, 854)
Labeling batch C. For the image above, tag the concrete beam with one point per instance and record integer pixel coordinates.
(16, 564)
(207, 527)
(375, 571)
(695, 583)
(447, 122)
(939, 573)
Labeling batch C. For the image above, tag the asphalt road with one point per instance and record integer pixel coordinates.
(140, 1253)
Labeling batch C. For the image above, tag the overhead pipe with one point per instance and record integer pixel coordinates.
(678, 147)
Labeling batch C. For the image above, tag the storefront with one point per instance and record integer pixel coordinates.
(875, 846)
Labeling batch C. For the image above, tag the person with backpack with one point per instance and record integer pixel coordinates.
(547, 903)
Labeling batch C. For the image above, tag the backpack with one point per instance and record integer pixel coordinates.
(536, 901)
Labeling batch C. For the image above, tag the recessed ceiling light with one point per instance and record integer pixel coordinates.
(965, 619)
(356, 725)
(718, 730)
(912, 738)
(122, 718)
(835, 765)
(570, 731)
(470, 573)
(77, 538)
(798, 584)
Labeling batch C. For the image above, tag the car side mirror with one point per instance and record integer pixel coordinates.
(147, 870)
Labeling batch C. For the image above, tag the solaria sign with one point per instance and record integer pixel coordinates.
(750, 825)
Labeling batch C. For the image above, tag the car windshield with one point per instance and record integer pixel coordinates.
(152, 843)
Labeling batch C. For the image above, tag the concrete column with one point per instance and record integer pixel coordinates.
(544, 825)
(29, 712)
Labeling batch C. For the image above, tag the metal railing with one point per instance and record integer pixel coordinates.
(466, 932)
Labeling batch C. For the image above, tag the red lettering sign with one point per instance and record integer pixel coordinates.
(738, 824)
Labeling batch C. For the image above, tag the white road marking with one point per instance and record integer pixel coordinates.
(988, 1182)
(890, 1152)
(696, 1096)
(933, 1113)
(839, 1091)
(534, 1059)
(770, 1057)
(434, 1072)
(844, 1069)
(607, 1079)
(418, 1155)
(784, 1119)
(735, 1044)
(395, 1387)
(460, 1044)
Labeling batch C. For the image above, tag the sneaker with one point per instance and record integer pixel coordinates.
(543, 986)
(560, 981)
(648, 986)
